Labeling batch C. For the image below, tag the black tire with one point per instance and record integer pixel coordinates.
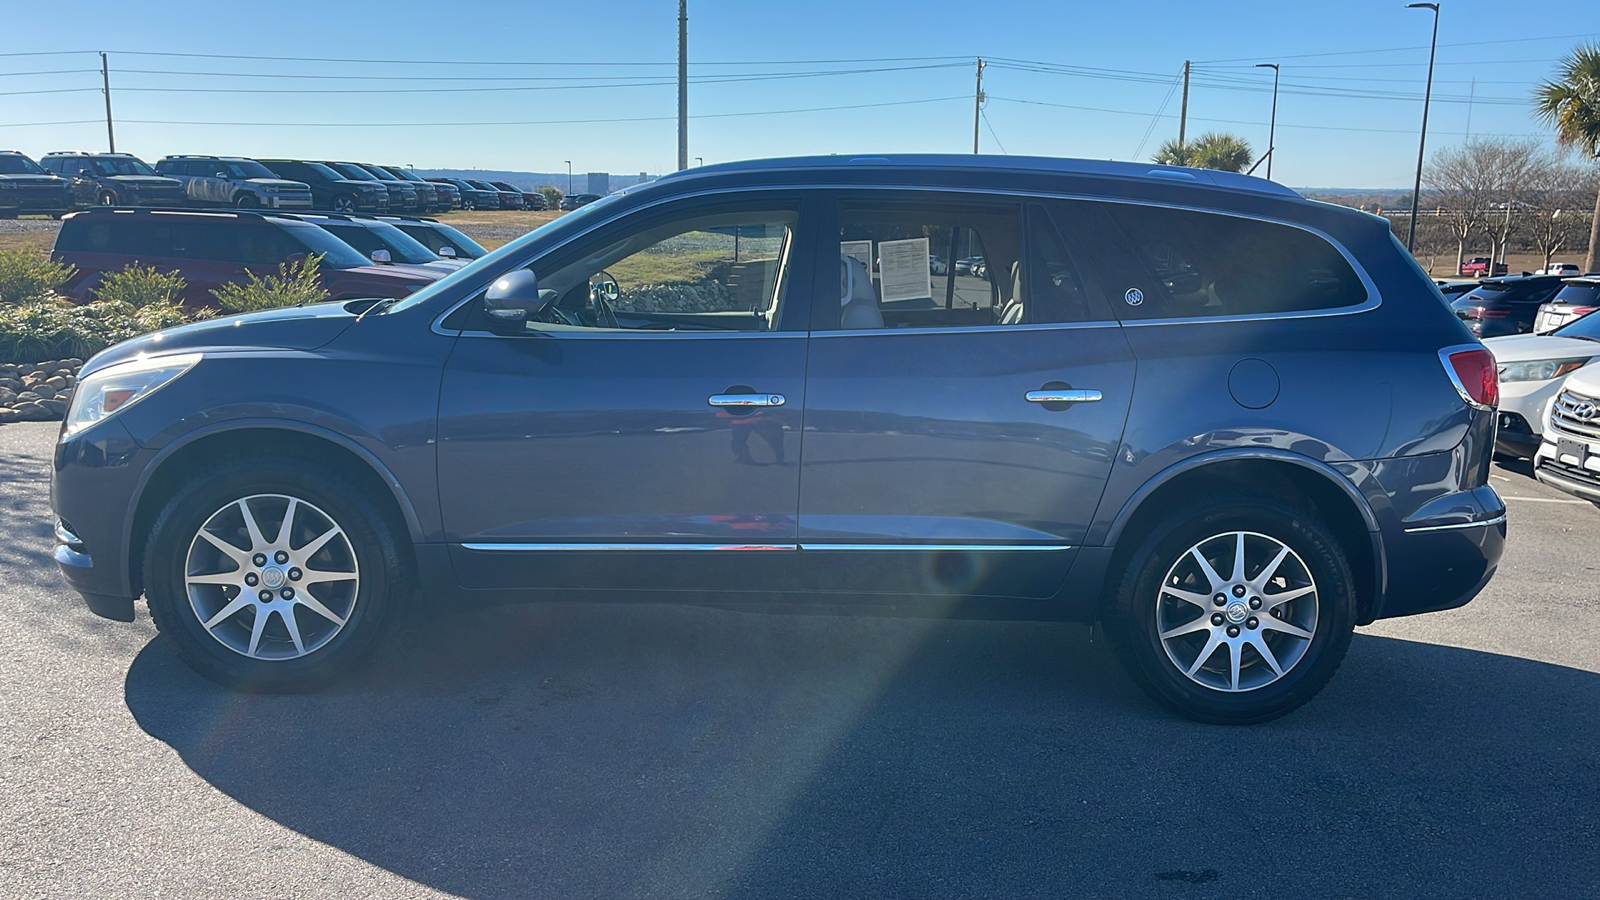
(344, 203)
(107, 198)
(374, 543)
(1132, 620)
(469, 203)
(247, 201)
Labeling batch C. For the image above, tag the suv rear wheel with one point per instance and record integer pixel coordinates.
(271, 574)
(1234, 609)
(344, 203)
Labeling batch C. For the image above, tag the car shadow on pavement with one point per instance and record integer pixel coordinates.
(657, 751)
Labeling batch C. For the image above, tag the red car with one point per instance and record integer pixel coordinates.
(210, 249)
(1478, 267)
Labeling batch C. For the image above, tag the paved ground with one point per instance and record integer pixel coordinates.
(656, 751)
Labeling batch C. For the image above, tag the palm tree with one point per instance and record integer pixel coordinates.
(1214, 150)
(1571, 105)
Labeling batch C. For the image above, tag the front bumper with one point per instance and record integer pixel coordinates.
(95, 478)
(289, 201)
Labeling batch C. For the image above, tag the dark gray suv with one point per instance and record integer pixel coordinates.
(1225, 422)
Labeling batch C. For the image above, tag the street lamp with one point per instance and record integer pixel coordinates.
(699, 160)
(1272, 129)
(1422, 142)
(569, 177)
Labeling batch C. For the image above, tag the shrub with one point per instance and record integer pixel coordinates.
(139, 287)
(296, 284)
(552, 196)
(28, 274)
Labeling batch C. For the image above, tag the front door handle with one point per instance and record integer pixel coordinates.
(1064, 395)
(740, 401)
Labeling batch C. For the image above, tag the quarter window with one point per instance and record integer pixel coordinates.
(1209, 265)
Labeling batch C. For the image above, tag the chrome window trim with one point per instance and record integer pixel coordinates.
(1494, 521)
(966, 329)
(1373, 301)
(1007, 548)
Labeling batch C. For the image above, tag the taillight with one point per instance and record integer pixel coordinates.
(1493, 313)
(1472, 370)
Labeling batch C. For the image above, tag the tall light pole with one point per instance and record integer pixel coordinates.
(1272, 129)
(569, 177)
(1422, 142)
(683, 84)
(105, 85)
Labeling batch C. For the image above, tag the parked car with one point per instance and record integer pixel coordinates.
(1577, 298)
(1569, 453)
(574, 201)
(558, 419)
(403, 195)
(535, 200)
(1563, 269)
(1478, 267)
(442, 239)
(233, 181)
(1503, 306)
(27, 188)
(967, 265)
(427, 196)
(524, 198)
(1452, 289)
(937, 266)
(445, 196)
(511, 199)
(330, 189)
(113, 179)
(472, 197)
(210, 249)
(381, 242)
(1531, 368)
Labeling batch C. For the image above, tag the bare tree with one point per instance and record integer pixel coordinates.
(1481, 184)
(1558, 217)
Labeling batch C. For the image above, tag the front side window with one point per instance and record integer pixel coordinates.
(19, 165)
(710, 272)
(1210, 265)
(121, 165)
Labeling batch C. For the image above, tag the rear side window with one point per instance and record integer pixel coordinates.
(1208, 265)
(1579, 294)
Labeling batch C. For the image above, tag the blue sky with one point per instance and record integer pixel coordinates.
(1350, 105)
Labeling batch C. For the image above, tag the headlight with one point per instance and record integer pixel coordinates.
(1539, 369)
(115, 388)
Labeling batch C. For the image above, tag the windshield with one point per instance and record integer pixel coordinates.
(336, 254)
(324, 171)
(515, 249)
(380, 174)
(436, 235)
(484, 186)
(121, 165)
(405, 174)
(352, 171)
(246, 168)
(19, 165)
(370, 236)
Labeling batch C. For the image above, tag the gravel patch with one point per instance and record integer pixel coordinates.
(29, 226)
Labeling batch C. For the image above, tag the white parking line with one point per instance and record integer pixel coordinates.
(1544, 500)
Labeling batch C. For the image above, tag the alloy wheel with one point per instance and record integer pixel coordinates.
(1243, 630)
(272, 577)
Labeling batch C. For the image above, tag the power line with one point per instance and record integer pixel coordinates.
(562, 64)
(1548, 37)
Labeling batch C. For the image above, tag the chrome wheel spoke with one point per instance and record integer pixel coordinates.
(1271, 624)
(257, 542)
(318, 542)
(1273, 601)
(287, 615)
(1210, 573)
(227, 612)
(1235, 652)
(1238, 557)
(242, 557)
(315, 605)
(236, 578)
(1259, 642)
(284, 530)
(1260, 581)
(1210, 649)
(1201, 600)
(1199, 624)
(256, 630)
(318, 576)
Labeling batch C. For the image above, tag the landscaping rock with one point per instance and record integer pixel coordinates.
(32, 412)
(7, 416)
(57, 383)
(27, 397)
(7, 396)
(44, 390)
(58, 408)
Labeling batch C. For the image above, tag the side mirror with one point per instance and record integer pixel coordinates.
(381, 257)
(295, 259)
(512, 300)
(220, 175)
(447, 252)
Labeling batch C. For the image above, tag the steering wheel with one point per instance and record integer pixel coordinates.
(603, 292)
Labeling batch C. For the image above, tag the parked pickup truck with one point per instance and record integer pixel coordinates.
(1478, 267)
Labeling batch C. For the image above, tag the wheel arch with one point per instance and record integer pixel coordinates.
(204, 447)
(1316, 484)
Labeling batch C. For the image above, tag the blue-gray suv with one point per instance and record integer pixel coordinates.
(1226, 423)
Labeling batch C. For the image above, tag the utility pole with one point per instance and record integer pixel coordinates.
(1422, 142)
(1183, 110)
(105, 86)
(683, 84)
(569, 176)
(977, 106)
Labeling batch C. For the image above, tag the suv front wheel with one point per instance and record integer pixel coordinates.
(272, 574)
(1234, 610)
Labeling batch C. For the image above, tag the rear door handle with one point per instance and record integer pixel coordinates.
(745, 400)
(1067, 395)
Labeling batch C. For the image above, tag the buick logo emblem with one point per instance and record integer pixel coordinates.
(1586, 410)
(1134, 296)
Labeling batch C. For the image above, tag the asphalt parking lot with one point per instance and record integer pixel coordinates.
(667, 751)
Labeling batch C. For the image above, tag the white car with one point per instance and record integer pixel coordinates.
(1569, 455)
(1560, 269)
(1577, 298)
(1531, 367)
